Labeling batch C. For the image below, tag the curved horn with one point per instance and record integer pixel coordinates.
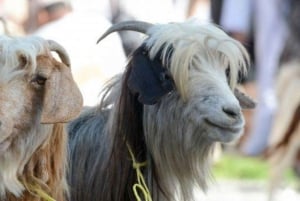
(60, 50)
(138, 26)
(5, 27)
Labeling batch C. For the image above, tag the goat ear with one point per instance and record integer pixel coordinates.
(62, 99)
(148, 79)
(245, 101)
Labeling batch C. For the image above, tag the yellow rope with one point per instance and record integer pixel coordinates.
(141, 185)
(37, 191)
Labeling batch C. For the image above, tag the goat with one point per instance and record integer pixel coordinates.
(37, 95)
(157, 122)
(284, 142)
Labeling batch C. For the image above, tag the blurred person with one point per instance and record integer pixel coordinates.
(102, 7)
(292, 16)
(31, 23)
(52, 10)
(78, 30)
(236, 19)
(270, 39)
(216, 10)
(13, 17)
(154, 11)
(199, 9)
(290, 59)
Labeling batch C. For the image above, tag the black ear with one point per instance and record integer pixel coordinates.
(148, 79)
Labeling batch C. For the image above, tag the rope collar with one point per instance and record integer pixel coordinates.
(36, 190)
(140, 187)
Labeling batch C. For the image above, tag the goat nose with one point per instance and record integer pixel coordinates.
(231, 111)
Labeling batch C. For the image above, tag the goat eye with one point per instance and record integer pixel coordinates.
(40, 80)
(227, 72)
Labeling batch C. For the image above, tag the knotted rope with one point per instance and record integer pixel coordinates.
(141, 185)
(36, 190)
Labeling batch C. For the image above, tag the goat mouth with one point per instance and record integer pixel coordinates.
(224, 127)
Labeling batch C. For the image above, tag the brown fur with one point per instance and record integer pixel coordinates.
(47, 168)
(287, 135)
(284, 140)
(40, 95)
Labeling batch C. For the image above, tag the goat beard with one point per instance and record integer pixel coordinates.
(182, 159)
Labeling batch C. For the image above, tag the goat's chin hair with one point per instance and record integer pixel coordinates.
(16, 157)
(181, 160)
(180, 169)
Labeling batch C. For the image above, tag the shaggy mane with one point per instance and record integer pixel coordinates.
(196, 45)
(26, 47)
(192, 46)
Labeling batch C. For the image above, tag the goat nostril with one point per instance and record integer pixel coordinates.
(231, 111)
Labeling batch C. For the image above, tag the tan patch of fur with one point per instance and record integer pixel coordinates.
(32, 153)
(47, 167)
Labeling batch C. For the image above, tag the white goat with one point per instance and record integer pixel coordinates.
(37, 94)
(171, 105)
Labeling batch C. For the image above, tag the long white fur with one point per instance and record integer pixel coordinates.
(197, 45)
(201, 54)
(179, 141)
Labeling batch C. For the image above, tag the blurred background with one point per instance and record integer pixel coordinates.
(264, 164)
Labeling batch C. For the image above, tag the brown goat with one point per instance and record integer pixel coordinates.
(37, 95)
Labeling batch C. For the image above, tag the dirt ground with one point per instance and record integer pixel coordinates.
(224, 190)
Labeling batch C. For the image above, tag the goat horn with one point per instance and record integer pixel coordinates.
(138, 26)
(60, 50)
(5, 27)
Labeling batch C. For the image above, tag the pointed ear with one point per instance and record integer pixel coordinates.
(62, 99)
(148, 79)
(245, 101)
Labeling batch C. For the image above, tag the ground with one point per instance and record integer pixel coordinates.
(242, 190)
